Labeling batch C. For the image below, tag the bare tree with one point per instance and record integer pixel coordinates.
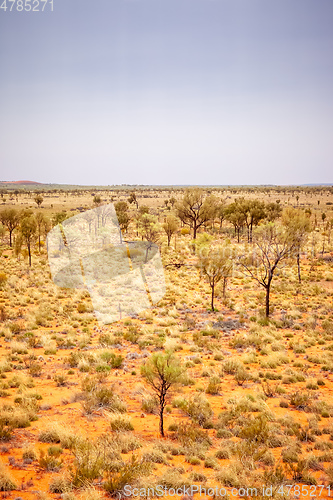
(271, 247)
(40, 223)
(297, 223)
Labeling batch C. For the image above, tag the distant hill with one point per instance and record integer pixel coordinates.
(21, 182)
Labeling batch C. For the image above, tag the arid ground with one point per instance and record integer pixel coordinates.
(254, 404)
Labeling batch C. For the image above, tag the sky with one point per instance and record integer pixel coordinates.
(167, 92)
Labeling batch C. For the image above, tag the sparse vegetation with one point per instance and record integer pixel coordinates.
(267, 379)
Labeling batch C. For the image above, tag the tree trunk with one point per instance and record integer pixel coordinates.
(224, 286)
(162, 406)
(238, 230)
(169, 239)
(299, 267)
(251, 232)
(29, 252)
(268, 289)
(194, 231)
(212, 304)
(10, 237)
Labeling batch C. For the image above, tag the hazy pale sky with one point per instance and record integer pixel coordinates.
(167, 92)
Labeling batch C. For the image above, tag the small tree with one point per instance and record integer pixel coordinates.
(236, 217)
(121, 208)
(253, 212)
(59, 218)
(273, 211)
(41, 224)
(97, 200)
(170, 226)
(162, 372)
(215, 264)
(28, 228)
(149, 228)
(39, 200)
(298, 225)
(195, 209)
(272, 247)
(132, 199)
(323, 217)
(221, 212)
(11, 219)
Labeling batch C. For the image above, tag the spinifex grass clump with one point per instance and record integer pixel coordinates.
(193, 439)
(90, 460)
(125, 473)
(11, 418)
(120, 422)
(6, 481)
(48, 461)
(197, 407)
(97, 395)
